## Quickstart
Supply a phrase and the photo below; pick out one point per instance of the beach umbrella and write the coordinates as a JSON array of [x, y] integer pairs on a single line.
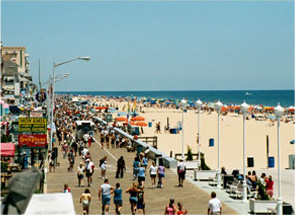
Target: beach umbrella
[[141, 124], [138, 118], [291, 109], [101, 107], [271, 117], [133, 123], [292, 141], [121, 113], [121, 119]]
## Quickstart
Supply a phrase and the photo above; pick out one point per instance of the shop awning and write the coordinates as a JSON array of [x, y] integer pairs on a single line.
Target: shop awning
[[7, 149]]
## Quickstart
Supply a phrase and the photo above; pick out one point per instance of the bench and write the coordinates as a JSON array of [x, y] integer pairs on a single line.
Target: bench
[[204, 175]]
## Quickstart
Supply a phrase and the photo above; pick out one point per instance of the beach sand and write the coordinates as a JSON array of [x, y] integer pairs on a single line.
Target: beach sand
[[231, 136]]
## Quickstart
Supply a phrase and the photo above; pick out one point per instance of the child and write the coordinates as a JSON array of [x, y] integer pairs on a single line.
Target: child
[[85, 199]]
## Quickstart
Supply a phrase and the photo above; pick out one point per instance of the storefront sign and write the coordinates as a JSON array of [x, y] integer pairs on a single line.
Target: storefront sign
[[32, 140], [32, 125], [37, 114]]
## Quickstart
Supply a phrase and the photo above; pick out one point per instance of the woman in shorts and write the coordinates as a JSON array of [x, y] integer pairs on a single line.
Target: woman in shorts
[[118, 198], [85, 199], [153, 174], [133, 197]]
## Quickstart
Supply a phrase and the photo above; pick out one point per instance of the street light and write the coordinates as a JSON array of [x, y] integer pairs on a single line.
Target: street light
[[199, 105], [244, 109], [279, 111], [183, 103], [53, 84], [218, 107]]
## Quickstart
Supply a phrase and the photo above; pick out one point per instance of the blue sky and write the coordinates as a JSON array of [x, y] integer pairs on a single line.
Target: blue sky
[[157, 45]]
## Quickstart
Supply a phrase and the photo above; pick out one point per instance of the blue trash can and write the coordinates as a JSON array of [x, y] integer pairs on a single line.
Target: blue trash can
[[271, 162], [211, 142], [150, 124], [173, 131]]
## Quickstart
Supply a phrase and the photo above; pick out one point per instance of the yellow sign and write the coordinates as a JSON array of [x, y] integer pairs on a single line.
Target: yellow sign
[[32, 125]]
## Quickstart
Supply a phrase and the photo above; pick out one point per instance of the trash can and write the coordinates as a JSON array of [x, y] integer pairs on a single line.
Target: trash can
[[173, 131], [150, 124], [211, 142], [271, 162]]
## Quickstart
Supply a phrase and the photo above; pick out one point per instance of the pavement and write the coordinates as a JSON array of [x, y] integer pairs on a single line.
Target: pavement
[[193, 196]]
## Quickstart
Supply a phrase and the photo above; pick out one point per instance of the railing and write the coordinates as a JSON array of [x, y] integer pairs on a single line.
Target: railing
[[153, 153], [147, 140]]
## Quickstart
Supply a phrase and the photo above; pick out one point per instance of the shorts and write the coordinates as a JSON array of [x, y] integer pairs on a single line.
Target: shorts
[[181, 175], [80, 176], [118, 202], [140, 206], [161, 175], [133, 199], [88, 174], [153, 176], [141, 179], [106, 200]]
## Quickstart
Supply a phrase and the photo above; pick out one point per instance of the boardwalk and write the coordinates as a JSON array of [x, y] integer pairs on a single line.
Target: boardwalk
[[193, 199]]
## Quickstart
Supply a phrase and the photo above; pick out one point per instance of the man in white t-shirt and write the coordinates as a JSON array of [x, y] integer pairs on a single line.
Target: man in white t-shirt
[[84, 151], [214, 206], [104, 195]]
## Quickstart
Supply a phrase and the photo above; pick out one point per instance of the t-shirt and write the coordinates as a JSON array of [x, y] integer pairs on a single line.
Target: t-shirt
[[181, 166], [103, 165], [161, 169], [140, 196], [106, 189], [84, 151], [118, 194], [141, 172], [135, 164], [214, 205], [145, 161], [153, 170]]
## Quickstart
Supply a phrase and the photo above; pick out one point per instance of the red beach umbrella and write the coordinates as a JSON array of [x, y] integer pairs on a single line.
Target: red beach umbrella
[[141, 124], [138, 118], [121, 119]]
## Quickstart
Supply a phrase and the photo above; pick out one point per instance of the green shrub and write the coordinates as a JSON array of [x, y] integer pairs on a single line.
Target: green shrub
[[262, 195], [189, 154], [203, 163]]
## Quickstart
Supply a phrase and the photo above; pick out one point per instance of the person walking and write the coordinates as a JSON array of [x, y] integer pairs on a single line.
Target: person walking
[[141, 200], [51, 157], [141, 175], [89, 168], [71, 159], [104, 195], [80, 174], [65, 149], [214, 205], [153, 174], [269, 185], [133, 197], [135, 167], [161, 174], [170, 209], [118, 200], [120, 167], [103, 166], [181, 169], [85, 199]]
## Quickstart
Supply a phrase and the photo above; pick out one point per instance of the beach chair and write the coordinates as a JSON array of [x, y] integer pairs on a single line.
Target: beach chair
[[213, 180], [232, 186]]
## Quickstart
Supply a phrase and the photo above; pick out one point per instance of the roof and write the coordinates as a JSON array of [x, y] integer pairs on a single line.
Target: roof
[[14, 47]]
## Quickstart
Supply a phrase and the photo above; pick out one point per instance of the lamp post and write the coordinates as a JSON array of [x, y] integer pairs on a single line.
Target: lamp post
[[279, 111], [199, 105], [244, 109], [53, 84], [218, 107], [183, 103]]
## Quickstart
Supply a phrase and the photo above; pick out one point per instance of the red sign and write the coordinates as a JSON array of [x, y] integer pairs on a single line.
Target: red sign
[[32, 140]]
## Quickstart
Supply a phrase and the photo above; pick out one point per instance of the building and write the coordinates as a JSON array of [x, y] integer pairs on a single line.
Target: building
[[16, 81]]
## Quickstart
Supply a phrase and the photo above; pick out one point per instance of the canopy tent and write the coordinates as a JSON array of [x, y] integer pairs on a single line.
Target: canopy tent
[[7, 149]]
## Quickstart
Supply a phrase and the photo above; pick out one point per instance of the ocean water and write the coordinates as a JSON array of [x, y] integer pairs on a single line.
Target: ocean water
[[255, 97]]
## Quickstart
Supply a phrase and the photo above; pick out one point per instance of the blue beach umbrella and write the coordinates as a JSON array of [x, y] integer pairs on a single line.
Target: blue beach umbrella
[[121, 113], [292, 141]]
